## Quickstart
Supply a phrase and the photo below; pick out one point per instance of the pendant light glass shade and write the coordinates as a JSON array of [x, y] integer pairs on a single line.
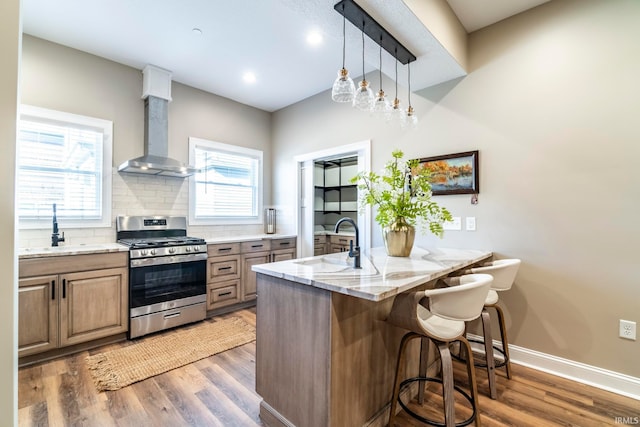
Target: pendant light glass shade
[[364, 97], [381, 104], [343, 87]]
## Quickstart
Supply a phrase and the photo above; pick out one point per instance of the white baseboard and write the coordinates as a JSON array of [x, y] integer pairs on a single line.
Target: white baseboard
[[597, 377]]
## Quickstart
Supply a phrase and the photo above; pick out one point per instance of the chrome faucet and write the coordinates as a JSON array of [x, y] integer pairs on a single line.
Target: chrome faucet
[[55, 236], [354, 252]]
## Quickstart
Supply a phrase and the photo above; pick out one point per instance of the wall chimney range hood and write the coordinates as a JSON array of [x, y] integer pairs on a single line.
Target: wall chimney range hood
[[156, 94]]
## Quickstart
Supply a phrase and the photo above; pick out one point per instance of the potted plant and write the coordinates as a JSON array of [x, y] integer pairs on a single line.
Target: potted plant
[[402, 195]]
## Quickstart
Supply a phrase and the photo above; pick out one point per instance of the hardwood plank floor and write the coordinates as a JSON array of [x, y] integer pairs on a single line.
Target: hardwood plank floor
[[220, 391]]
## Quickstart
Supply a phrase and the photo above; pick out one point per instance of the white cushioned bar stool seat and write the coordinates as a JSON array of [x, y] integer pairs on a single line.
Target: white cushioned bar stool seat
[[442, 320], [504, 273]]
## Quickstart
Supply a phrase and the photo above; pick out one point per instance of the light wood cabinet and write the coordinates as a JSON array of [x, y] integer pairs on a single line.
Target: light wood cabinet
[[248, 275], [70, 300], [230, 277], [283, 249], [94, 305], [223, 275], [319, 244], [339, 243], [38, 314]]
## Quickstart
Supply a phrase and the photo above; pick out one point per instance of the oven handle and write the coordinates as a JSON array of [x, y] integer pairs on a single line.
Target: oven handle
[[144, 262]]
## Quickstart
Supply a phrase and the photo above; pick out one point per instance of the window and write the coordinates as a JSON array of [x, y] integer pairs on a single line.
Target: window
[[64, 159], [228, 188]]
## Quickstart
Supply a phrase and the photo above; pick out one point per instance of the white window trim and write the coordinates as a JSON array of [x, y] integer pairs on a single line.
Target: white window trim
[[106, 126], [212, 145]]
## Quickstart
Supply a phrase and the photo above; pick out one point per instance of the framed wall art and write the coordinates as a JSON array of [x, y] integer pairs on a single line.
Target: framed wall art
[[453, 173]]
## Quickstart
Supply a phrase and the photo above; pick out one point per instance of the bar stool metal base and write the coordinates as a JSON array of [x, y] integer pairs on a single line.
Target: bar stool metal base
[[404, 384]]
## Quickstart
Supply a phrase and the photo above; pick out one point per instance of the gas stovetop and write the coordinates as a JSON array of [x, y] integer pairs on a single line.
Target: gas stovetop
[[160, 242], [157, 236]]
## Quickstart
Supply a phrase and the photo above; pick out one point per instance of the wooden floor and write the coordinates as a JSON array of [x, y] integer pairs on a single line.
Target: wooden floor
[[220, 391]]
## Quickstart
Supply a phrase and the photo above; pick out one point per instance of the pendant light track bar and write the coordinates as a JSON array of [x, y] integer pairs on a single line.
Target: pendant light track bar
[[376, 32]]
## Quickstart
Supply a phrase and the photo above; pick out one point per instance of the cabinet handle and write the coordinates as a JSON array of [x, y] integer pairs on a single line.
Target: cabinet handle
[[343, 240], [256, 246], [169, 316], [64, 288], [224, 249], [53, 289], [224, 294], [285, 243], [224, 268]]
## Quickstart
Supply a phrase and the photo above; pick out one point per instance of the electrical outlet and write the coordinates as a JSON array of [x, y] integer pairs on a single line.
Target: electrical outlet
[[627, 329], [471, 223], [454, 224]]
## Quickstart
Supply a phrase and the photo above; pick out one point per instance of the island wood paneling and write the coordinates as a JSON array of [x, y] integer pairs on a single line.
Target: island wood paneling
[[325, 359], [292, 365]]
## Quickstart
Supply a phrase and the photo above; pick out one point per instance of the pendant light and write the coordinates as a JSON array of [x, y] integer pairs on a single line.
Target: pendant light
[[381, 104], [397, 113], [364, 95], [411, 118], [343, 88]]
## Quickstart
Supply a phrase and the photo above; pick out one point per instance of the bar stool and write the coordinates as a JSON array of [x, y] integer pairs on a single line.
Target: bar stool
[[504, 273], [443, 322]]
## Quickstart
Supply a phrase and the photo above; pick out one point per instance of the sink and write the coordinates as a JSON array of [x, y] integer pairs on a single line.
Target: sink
[[337, 265]]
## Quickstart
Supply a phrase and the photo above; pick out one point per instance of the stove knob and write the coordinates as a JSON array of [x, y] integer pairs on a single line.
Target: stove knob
[[196, 248], [143, 252], [153, 251], [172, 250], [188, 249]]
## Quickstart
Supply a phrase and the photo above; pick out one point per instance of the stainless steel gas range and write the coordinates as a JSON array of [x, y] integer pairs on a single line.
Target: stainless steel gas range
[[167, 273]]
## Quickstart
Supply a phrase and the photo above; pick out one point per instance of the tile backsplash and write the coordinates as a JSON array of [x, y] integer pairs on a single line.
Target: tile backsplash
[[141, 195]]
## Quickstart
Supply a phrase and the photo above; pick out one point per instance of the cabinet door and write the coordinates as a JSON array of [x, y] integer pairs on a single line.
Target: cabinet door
[[283, 255], [37, 314], [249, 276], [93, 304]]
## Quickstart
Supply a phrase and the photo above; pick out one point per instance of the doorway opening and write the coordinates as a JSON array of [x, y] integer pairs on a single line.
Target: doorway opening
[[326, 194]]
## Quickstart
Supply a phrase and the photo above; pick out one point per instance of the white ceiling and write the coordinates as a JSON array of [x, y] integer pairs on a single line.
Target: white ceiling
[[266, 37]]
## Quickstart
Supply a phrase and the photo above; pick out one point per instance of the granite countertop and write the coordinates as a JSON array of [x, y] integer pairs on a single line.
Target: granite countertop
[[247, 238], [64, 250], [53, 251], [380, 277]]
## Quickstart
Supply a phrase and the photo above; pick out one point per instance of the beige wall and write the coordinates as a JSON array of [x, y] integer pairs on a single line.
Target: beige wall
[[66, 79], [10, 36], [438, 17], [551, 102]]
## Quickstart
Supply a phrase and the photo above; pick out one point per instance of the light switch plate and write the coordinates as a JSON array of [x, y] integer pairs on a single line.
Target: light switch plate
[[471, 223], [454, 224]]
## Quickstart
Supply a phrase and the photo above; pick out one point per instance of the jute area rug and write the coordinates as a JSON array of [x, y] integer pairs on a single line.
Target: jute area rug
[[157, 354]]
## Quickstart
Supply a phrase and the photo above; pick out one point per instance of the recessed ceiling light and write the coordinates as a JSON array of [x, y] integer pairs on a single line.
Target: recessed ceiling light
[[197, 31], [314, 38], [249, 77]]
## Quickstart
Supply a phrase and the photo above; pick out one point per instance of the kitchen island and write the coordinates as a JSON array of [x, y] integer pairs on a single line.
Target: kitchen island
[[324, 354]]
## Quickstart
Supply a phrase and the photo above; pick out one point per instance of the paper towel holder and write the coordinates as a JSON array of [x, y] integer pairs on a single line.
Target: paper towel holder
[[269, 221]]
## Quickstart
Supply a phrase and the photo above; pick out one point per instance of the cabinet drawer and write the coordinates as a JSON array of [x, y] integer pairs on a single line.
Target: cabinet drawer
[[223, 249], [224, 268], [289, 243], [319, 239], [338, 248], [319, 249], [341, 240], [255, 246], [223, 296]]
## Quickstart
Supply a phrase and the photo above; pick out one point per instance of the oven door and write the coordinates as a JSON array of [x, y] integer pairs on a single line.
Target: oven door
[[158, 280]]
